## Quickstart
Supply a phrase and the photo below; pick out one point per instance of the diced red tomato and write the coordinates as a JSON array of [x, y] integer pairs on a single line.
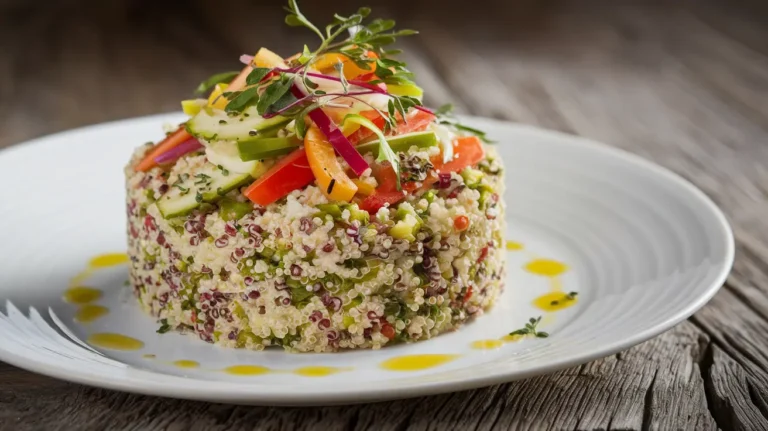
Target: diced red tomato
[[467, 151], [467, 295], [376, 201], [415, 121], [290, 173]]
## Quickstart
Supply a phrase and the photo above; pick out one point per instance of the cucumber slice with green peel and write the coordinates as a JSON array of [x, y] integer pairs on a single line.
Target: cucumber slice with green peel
[[402, 143], [208, 185], [264, 148], [214, 124]]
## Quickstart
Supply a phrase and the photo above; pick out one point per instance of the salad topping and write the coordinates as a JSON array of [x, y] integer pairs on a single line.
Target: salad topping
[[282, 124]]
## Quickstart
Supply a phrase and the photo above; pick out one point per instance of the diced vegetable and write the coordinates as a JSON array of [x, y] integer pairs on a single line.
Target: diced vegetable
[[363, 187], [175, 153], [414, 121], [193, 106], [467, 151], [402, 143], [290, 173], [328, 172], [376, 201], [171, 141], [264, 148], [230, 209], [472, 177], [406, 228]]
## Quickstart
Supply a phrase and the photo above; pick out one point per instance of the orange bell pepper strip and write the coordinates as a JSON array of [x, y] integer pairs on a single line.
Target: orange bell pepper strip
[[329, 174], [171, 141], [326, 63], [290, 173]]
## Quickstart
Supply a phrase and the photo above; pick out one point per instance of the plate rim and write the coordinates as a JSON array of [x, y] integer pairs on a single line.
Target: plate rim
[[238, 393]]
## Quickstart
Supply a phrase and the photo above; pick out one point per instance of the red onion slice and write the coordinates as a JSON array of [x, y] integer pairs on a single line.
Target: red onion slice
[[176, 152], [340, 142]]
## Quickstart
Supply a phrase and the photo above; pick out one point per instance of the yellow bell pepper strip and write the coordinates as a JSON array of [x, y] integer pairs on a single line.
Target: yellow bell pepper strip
[[216, 99], [263, 58], [329, 174]]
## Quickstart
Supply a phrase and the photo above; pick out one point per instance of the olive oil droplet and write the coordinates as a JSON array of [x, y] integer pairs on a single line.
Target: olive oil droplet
[[247, 370], [82, 295], [487, 344], [88, 313], [109, 259], [186, 363], [317, 371], [546, 267], [416, 362], [113, 341]]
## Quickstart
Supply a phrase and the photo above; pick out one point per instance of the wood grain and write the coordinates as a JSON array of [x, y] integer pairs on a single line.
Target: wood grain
[[684, 84]]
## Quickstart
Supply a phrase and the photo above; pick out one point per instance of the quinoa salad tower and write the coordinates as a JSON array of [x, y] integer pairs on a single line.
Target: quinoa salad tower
[[314, 203]]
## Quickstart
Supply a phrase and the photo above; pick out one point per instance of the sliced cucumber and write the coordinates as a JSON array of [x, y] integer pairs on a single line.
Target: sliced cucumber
[[264, 148], [208, 185], [402, 142], [215, 124]]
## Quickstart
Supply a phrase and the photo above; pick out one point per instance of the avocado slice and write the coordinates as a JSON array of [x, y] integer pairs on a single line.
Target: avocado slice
[[264, 148], [402, 143]]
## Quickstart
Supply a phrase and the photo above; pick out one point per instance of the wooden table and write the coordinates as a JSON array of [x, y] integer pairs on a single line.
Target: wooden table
[[682, 83]]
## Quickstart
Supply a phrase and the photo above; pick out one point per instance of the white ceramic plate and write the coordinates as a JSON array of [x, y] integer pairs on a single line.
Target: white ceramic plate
[[643, 248]]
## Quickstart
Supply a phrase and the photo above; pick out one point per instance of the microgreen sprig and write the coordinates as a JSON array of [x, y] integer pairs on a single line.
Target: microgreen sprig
[[530, 329], [445, 116]]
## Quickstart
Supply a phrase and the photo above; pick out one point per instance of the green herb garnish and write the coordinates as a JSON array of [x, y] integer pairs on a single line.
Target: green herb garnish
[[215, 79], [445, 117], [530, 329], [164, 327]]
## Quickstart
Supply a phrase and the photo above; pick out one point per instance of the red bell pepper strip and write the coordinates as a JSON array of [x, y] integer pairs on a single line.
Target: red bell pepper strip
[[290, 173]]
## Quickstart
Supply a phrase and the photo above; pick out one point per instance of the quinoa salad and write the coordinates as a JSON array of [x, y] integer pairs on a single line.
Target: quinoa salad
[[312, 202]]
